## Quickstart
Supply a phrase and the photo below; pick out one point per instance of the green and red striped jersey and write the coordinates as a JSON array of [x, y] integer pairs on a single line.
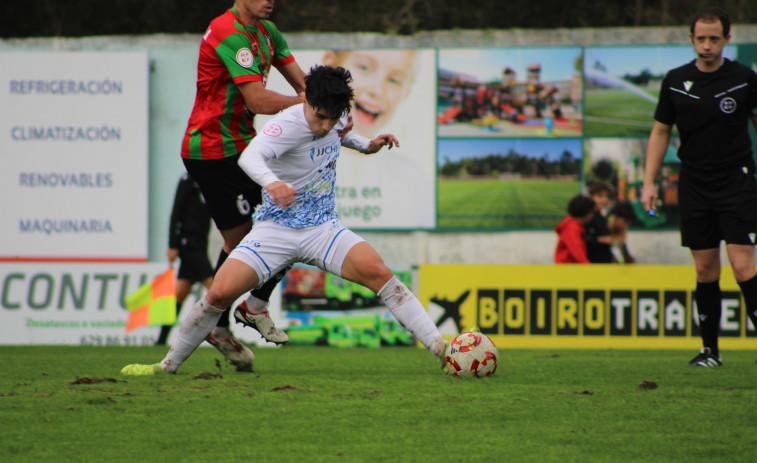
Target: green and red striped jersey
[[230, 54]]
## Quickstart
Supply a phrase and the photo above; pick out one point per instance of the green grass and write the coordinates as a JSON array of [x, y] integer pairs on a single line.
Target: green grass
[[476, 204], [376, 405], [617, 113]]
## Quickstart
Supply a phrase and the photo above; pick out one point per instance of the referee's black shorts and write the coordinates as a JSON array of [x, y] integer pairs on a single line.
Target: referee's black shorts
[[230, 194], [719, 205], [195, 265]]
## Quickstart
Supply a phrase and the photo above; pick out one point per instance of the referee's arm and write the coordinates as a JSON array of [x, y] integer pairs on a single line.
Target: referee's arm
[[659, 140]]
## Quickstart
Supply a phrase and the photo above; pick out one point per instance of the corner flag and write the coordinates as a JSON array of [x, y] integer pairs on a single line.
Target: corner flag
[[153, 303]]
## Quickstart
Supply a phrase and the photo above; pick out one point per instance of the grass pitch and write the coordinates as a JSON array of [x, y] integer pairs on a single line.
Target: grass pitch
[[617, 113], [493, 203], [69, 403]]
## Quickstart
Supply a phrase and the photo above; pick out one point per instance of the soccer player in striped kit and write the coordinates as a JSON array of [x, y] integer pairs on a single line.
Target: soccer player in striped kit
[[236, 55]]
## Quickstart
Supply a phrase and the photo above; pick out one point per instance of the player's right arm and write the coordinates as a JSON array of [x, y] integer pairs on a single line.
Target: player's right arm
[[253, 162], [659, 139], [260, 100], [293, 74]]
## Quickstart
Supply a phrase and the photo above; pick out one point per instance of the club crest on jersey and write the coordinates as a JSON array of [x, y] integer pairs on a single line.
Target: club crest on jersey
[[728, 105], [244, 57], [272, 130]]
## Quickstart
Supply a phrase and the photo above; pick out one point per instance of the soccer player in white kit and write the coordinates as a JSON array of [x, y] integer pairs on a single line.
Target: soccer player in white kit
[[294, 160]]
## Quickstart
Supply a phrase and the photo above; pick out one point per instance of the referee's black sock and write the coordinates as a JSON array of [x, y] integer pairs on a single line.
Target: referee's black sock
[[709, 307], [749, 291], [223, 322], [264, 292]]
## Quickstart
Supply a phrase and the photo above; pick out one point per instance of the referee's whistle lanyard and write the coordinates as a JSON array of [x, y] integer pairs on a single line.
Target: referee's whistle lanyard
[[255, 43]]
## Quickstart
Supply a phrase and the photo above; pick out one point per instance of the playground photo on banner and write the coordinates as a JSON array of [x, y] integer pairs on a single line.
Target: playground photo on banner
[[510, 92], [620, 162], [622, 85], [506, 183]]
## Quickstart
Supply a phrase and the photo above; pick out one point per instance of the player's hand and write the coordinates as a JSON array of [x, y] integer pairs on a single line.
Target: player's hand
[[282, 193], [381, 141], [649, 196], [172, 254], [347, 127]]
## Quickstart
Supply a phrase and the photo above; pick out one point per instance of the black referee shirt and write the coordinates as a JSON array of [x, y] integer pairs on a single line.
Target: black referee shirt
[[711, 111]]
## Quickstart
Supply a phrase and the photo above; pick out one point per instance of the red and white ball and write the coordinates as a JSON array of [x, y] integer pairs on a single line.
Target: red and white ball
[[471, 354]]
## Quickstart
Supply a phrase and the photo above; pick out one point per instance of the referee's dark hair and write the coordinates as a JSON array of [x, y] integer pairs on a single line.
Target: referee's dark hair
[[712, 14]]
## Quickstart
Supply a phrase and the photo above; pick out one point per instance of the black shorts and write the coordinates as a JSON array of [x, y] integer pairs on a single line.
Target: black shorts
[[230, 194], [195, 265], [718, 206]]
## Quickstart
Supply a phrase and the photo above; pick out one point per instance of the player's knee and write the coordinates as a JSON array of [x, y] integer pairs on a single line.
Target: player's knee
[[743, 272], [707, 271], [219, 297], [376, 274]]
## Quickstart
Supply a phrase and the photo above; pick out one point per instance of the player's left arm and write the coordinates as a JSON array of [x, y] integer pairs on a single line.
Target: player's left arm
[[380, 141]]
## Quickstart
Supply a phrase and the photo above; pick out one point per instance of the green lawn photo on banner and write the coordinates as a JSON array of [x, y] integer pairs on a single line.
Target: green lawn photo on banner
[[621, 85], [506, 183]]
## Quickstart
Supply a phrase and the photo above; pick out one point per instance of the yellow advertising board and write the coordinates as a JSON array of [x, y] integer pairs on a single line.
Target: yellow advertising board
[[579, 306]]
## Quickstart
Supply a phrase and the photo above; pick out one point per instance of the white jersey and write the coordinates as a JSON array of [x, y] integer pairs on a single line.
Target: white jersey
[[296, 156]]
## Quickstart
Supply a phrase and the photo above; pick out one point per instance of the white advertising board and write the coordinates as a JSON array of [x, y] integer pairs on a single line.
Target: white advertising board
[[83, 304], [73, 156], [395, 92]]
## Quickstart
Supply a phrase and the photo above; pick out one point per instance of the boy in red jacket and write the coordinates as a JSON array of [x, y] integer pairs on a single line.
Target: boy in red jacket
[[571, 246]]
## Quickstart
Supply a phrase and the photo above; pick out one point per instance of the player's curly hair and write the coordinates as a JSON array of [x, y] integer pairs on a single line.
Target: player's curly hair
[[328, 89]]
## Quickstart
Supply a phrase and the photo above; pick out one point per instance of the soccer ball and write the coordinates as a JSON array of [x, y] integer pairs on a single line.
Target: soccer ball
[[471, 354]]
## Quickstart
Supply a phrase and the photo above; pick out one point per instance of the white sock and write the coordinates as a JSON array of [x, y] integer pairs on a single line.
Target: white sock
[[255, 305], [409, 311], [200, 322]]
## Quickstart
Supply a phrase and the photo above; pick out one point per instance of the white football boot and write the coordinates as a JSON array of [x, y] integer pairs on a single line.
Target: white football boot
[[257, 317], [234, 350]]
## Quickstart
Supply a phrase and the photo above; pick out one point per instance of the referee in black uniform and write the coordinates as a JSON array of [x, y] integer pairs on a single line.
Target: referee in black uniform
[[188, 240], [711, 100]]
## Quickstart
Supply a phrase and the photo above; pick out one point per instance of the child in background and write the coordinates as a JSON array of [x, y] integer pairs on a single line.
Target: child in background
[[598, 240], [571, 247], [621, 218]]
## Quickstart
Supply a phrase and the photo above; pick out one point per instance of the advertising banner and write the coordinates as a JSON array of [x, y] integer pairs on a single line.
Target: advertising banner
[[394, 93], [577, 306], [73, 168], [85, 304]]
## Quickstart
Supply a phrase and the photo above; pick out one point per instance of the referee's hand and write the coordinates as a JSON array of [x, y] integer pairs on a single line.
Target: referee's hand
[[649, 196]]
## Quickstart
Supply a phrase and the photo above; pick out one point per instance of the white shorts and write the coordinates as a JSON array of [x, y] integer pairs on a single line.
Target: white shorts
[[269, 247]]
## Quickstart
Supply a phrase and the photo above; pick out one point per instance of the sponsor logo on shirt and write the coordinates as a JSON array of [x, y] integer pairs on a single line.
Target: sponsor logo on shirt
[[272, 130], [244, 57], [728, 105], [687, 85]]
